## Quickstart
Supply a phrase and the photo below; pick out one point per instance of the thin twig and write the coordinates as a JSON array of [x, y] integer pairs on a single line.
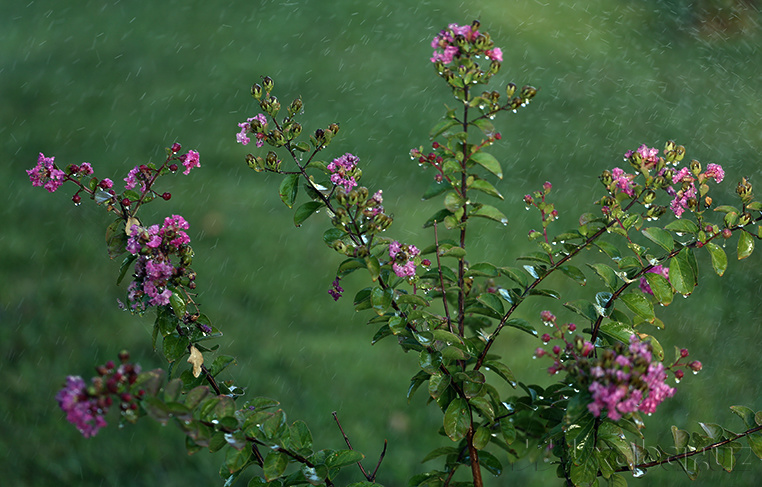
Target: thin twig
[[349, 445], [441, 279]]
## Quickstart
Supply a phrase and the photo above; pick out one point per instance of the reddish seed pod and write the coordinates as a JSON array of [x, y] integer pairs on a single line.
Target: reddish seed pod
[[173, 167], [684, 352], [166, 196], [679, 374], [176, 147], [76, 199]]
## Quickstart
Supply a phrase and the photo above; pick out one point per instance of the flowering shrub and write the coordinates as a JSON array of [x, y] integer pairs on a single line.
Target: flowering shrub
[[437, 301]]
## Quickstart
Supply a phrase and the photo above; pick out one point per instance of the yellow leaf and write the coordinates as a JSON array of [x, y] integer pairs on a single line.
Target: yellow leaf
[[130, 222], [197, 360]]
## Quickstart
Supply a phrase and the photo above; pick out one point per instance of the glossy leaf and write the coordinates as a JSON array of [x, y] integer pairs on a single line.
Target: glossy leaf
[[487, 211], [116, 239], [457, 419], [681, 274], [488, 162], [583, 308], [574, 273], [617, 331], [485, 187], [639, 305], [288, 189], [660, 287], [441, 126], [522, 325], [682, 226], [342, 458], [482, 269], [491, 301], [435, 189], [607, 275], [660, 237], [305, 211], [745, 245], [490, 463], [275, 464], [502, 370], [719, 258]]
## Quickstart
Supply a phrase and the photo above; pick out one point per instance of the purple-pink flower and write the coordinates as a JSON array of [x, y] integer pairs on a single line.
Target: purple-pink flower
[[649, 155], [190, 160], [343, 171], [46, 174], [254, 124], [715, 172], [403, 256], [81, 410], [623, 180]]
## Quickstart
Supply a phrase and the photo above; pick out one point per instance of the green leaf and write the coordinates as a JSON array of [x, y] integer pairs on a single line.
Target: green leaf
[[437, 217], [755, 443], [609, 249], [660, 237], [275, 464], [719, 259], [746, 414], [435, 189], [441, 126], [607, 275], [174, 347], [502, 370], [488, 162], [682, 226], [614, 330], [342, 458], [453, 201], [660, 287], [574, 273], [583, 308], [639, 305], [457, 419], [485, 126], [125, 267], [745, 245], [681, 274], [484, 269], [485, 187], [490, 463], [522, 325], [116, 239], [305, 211], [487, 211], [491, 301], [484, 406], [288, 189], [178, 304], [195, 396]]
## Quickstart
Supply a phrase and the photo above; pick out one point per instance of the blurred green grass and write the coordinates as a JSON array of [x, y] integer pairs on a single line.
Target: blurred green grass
[[113, 84]]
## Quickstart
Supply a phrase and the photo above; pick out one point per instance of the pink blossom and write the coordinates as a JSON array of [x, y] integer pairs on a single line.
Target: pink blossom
[[402, 256], [46, 174], [132, 180], [190, 160], [81, 410], [342, 171], [495, 54], [650, 156], [715, 171], [258, 129], [683, 175], [623, 180]]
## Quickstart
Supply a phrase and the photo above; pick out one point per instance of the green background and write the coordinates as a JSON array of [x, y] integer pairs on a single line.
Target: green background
[[113, 83]]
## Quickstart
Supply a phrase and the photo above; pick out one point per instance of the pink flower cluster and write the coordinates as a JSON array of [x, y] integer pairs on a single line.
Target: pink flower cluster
[[46, 174], [343, 171], [657, 269], [628, 381], [446, 41], [85, 407], [650, 156], [336, 290], [688, 190], [256, 125], [402, 256], [154, 246]]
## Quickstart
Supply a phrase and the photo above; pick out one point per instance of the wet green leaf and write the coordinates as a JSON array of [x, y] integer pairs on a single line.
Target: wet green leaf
[[116, 239], [490, 212], [274, 466], [745, 245], [682, 226], [583, 308], [660, 287], [607, 275], [305, 211], [441, 126], [490, 463], [491, 301], [435, 189], [639, 305], [126, 263], [614, 330], [482, 269], [342, 458], [660, 237], [485, 187], [288, 189], [719, 259], [488, 162], [437, 217], [457, 419], [502, 370], [574, 273], [746, 414], [522, 325], [178, 304], [681, 274]]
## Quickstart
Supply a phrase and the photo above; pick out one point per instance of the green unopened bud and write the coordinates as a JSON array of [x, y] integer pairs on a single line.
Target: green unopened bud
[[341, 196], [475, 25], [339, 246], [334, 128], [744, 189], [276, 138], [461, 41], [528, 92], [670, 146], [296, 129], [271, 160], [606, 178], [383, 221], [655, 212], [679, 153], [255, 163], [362, 195], [744, 219], [462, 71], [660, 182], [480, 42], [256, 91], [439, 66], [695, 167], [268, 84], [510, 89], [295, 106], [494, 67], [668, 175], [353, 197], [362, 252], [649, 197], [692, 203]]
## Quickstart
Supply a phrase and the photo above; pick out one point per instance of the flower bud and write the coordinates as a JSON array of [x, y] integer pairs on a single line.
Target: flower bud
[[695, 366], [510, 89], [268, 84], [695, 167], [606, 178], [648, 197], [295, 106], [727, 233], [528, 92], [256, 91]]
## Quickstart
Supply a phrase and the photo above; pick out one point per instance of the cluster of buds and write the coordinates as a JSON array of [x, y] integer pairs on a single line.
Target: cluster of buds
[[46, 174], [86, 405], [358, 213], [456, 51]]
